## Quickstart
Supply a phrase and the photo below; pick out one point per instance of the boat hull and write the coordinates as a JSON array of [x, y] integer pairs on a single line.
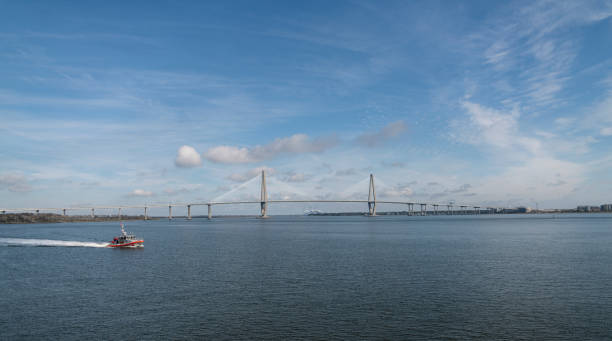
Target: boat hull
[[133, 244]]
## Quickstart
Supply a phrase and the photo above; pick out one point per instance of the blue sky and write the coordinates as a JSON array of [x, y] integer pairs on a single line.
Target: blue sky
[[485, 103]]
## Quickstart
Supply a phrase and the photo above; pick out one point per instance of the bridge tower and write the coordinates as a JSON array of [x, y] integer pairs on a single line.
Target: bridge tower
[[264, 195], [372, 197]]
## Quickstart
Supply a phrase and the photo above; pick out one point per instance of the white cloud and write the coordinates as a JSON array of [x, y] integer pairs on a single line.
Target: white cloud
[[391, 130], [577, 145], [607, 131], [229, 154], [535, 172], [490, 127], [537, 178], [603, 110], [141, 193], [295, 144], [187, 157], [14, 183]]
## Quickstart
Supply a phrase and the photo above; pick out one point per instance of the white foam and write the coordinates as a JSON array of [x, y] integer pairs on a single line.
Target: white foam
[[49, 242]]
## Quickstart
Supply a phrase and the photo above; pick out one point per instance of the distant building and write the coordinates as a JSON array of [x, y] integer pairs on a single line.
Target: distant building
[[606, 208], [594, 209], [583, 209]]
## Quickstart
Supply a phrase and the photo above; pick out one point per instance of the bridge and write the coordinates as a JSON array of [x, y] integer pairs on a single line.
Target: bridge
[[422, 207]]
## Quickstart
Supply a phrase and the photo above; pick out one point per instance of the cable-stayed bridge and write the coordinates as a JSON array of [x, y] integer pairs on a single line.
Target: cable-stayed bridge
[[421, 207]]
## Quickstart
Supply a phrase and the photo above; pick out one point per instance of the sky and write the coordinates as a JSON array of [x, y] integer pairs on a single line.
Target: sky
[[142, 102]]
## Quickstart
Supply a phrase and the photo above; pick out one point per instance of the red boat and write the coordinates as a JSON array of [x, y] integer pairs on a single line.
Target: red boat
[[126, 240]]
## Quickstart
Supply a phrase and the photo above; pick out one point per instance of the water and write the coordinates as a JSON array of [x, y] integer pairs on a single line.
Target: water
[[504, 277]]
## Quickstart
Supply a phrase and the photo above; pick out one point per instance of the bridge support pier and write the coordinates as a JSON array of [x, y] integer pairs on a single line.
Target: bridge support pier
[[435, 208], [209, 211], [372, 198], [188, 212], [264, 196], [119, 213], [169, 212], [92, 213], [64, 212], [145, 213], [423, 209]]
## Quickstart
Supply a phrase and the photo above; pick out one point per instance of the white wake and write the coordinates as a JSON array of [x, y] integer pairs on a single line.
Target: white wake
[[48, 242]]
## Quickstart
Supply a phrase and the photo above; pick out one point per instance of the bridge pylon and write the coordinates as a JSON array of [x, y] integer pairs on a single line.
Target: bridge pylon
[[372, 197], [264, 195]]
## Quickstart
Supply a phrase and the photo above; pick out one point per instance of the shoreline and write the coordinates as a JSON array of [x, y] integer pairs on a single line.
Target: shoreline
[[50, 218]]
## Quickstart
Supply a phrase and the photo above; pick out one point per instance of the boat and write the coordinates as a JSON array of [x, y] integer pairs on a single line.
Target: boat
[[312, 212], [126, 240]]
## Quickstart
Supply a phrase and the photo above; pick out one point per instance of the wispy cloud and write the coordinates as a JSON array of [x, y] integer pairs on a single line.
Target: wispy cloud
[[14, 183], [295, 144], [378, 138], [293, 176], [250, 174], [527, 39], [181, 190]]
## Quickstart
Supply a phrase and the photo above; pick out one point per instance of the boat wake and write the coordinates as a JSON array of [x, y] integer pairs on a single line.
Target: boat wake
[[48, 242]]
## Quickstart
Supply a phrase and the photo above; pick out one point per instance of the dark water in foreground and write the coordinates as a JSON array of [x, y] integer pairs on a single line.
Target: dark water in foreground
[[510, 277]]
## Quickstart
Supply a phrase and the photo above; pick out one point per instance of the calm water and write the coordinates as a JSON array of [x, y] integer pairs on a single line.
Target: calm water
[[510, 277]]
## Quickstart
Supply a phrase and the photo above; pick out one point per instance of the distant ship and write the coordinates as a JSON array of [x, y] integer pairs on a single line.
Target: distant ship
[[313, 212], [126, 240]]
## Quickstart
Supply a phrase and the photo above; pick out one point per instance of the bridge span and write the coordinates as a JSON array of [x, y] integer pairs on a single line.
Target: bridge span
[[422, 207]]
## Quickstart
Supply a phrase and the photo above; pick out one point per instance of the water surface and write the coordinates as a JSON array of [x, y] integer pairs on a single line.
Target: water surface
[[470, 277]]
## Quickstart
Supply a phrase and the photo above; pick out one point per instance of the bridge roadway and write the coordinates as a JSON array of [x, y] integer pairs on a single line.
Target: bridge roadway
[[464, 209]]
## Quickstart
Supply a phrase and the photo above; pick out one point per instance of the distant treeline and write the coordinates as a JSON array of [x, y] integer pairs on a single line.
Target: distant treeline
[[29, 218]]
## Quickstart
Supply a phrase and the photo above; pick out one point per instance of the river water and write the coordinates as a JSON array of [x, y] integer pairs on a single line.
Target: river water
[[458, 277]]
